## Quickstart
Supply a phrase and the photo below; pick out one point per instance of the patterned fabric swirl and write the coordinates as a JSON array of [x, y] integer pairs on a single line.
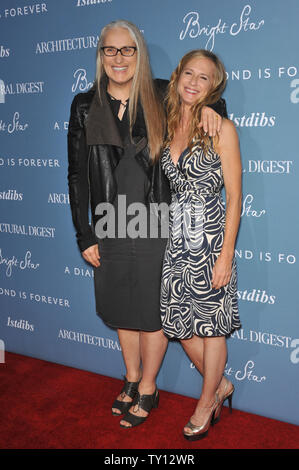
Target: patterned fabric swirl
[[189, 304]]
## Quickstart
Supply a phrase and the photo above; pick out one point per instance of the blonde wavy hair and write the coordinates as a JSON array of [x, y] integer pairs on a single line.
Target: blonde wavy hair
[[143, 88], [173, 102]]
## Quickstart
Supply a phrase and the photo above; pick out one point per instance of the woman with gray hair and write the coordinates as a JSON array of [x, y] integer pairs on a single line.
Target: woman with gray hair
[[115, 135]]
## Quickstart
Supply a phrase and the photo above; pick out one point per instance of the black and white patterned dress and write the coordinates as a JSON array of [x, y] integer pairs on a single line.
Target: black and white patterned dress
[[189, 304]]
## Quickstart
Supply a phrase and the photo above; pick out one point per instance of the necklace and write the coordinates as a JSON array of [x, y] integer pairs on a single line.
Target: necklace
[[124, 104]]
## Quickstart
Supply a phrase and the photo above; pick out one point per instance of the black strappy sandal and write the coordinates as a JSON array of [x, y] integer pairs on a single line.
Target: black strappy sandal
[[146, 403], [130, 389]]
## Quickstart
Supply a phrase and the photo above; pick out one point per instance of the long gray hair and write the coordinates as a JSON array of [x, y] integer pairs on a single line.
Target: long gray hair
[[143, 87]]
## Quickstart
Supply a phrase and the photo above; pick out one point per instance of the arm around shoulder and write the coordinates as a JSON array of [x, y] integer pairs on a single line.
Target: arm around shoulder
[[220, 107]]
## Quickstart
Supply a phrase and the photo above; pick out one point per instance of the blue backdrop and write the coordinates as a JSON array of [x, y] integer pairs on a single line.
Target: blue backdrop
[[47, 55]]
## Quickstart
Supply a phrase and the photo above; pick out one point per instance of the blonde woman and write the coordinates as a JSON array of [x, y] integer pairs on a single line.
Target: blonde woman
[[116, 130], [198, 294]]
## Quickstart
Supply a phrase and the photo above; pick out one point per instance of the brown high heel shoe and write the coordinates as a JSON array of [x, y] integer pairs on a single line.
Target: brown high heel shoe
[[199, 432], [227, 395]]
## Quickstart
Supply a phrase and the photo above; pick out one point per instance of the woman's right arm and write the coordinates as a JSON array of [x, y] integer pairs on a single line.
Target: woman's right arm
[[78, 181]]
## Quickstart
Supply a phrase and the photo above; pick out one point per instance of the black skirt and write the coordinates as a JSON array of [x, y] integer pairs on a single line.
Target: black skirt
[[127, 283]]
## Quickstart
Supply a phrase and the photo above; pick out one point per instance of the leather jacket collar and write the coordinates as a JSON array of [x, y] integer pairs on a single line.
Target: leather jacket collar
[[101, 131]]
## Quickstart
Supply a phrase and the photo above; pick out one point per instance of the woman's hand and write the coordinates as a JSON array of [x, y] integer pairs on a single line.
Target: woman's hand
[[210, 121], [92, 255], [221, 272]]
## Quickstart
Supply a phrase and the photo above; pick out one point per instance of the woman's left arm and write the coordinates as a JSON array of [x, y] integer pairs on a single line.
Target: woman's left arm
[[228, 149]]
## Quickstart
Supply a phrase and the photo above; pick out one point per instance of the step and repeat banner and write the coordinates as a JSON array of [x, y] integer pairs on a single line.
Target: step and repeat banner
[[47, 307]]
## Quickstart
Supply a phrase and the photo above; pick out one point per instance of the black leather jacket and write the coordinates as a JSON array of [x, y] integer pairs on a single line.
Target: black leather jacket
[[94, 151]]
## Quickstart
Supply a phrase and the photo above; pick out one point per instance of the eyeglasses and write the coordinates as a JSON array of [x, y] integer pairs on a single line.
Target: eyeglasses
[[126, 51]]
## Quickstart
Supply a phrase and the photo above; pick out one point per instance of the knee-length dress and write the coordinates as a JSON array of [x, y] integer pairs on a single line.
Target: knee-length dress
[[127, 282], [189, 304]]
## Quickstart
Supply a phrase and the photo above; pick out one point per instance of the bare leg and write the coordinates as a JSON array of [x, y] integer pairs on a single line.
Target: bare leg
[[153, 348], [214, 359], [194, 348], [130, 345], [215, 354]]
